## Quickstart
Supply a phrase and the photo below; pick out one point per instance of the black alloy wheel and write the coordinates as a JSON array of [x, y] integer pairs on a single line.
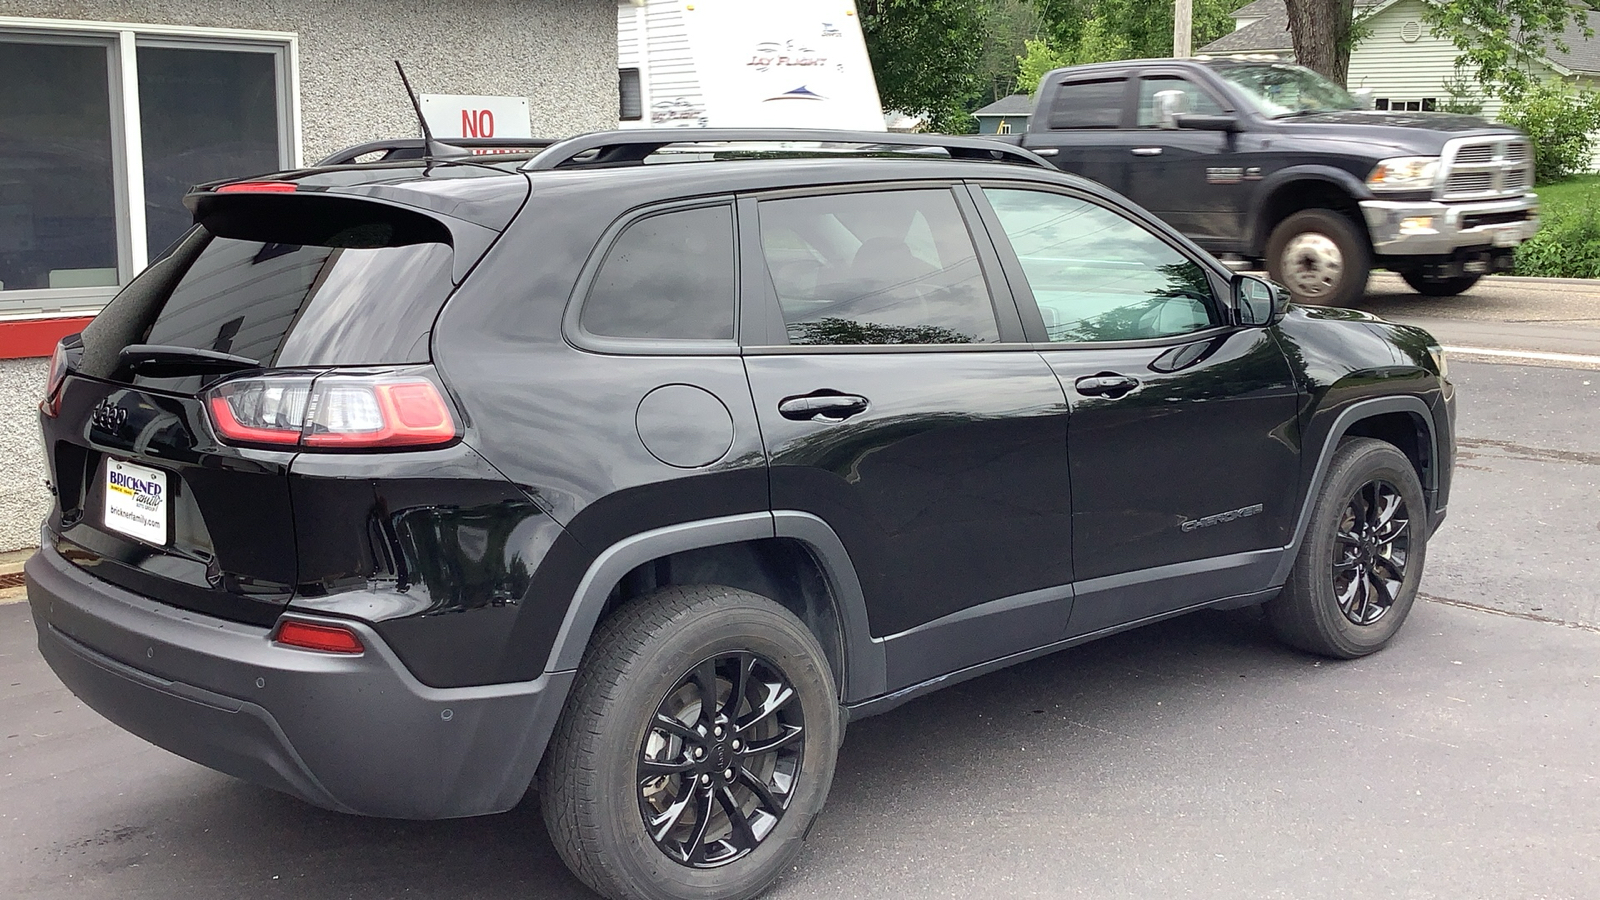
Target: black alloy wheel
[[1370, 565], [1360, 562], [718, 765]]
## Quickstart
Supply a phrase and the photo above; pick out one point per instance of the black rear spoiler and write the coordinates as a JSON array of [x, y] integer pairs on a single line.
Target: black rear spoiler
[[412, 148]]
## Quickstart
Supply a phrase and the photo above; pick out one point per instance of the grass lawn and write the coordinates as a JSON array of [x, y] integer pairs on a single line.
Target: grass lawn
[[1568, 242]]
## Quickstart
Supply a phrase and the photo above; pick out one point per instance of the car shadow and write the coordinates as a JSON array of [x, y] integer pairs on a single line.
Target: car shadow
[[225, 838]]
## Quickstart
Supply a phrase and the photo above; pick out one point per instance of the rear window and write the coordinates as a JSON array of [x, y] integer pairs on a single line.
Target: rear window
[[303, 282]]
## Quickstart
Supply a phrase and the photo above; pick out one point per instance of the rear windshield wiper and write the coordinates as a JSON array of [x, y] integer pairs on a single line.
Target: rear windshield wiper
[[170, 361]]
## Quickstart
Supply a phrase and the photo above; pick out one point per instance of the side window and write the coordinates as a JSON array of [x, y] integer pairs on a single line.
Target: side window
[[1088, 104], [1098, 276], [667, 277], [880, 267], [1200, 103]]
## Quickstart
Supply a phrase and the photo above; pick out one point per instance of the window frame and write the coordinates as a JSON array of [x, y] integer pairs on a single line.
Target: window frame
[[1130, 97], [1022, 291], [572, 318], [762, 324], [122, 41]]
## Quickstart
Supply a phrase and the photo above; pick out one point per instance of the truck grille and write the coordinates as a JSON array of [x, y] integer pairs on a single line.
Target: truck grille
[[1485, 168]]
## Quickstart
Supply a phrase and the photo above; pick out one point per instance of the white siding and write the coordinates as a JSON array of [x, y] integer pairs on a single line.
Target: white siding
[[1397, 69]]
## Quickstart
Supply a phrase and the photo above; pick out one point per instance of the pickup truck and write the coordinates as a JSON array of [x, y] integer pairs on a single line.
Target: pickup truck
[[1269, 164]]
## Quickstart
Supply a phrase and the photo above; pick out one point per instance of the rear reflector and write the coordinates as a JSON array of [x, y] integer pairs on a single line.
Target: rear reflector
[[326, 638], [258, 187], [333, 411]]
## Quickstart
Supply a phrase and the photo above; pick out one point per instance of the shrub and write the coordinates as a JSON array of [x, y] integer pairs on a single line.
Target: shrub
[[1567, 244], [1560, 122]]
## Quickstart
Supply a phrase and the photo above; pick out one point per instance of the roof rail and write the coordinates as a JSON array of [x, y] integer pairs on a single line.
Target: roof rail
[[412, 148], [614, 148]]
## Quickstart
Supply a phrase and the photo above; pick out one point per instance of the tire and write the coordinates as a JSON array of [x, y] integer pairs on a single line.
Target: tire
[[650, 657], [1321, 257], [1320, 608], [1439, 287]]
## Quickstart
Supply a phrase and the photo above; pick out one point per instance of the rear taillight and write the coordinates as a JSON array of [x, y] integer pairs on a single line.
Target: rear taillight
[[325, 638], [335, 412], [53, 382], [258, 187]]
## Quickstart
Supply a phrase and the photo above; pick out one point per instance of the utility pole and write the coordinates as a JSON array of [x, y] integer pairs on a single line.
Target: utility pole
[[1182, 22]]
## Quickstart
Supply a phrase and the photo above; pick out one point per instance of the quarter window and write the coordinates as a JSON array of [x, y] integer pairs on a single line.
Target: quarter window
[[1098, 276], [667, 277], [881, 267]]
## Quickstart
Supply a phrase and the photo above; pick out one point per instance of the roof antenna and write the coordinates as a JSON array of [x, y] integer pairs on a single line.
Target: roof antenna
[[430, 147]]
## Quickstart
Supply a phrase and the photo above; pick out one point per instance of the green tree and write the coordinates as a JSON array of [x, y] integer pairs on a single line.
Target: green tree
[[1503, 42], [1008, 25], [925, 57], [1086, 31], [1561, 122], [1321, 31]]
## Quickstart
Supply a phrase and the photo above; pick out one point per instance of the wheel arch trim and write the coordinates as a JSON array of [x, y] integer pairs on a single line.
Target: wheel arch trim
[[1348, 417], [1259, 228], [863, 663]]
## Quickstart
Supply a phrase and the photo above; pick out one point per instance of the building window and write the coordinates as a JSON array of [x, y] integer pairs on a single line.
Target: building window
[[630, 94], [1003, 128], [1426, 104], [103, 129]]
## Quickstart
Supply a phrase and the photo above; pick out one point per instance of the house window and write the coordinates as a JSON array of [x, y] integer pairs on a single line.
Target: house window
[[1426, 104], [106, 128], [1003, 128], [630, 94]]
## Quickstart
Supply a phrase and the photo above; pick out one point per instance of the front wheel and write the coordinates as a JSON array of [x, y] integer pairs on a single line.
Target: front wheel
[[1439, 287], [1360, 560], [696, 748], [1321, 257]]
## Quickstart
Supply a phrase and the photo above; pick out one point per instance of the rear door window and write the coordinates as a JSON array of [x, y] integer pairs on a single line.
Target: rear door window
[[1089, 104], [667, 277], [876, 267]]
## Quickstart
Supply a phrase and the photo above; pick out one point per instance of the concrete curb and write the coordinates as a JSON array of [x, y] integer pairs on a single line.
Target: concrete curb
[[1515, 279], [11, 565]]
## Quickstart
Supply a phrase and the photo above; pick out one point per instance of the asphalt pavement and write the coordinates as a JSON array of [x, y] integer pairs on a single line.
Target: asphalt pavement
[[1194, 758]]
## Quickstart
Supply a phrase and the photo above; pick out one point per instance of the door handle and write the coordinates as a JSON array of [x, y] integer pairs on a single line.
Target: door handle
[[822, 406], [1106, 384], [1147, 151]]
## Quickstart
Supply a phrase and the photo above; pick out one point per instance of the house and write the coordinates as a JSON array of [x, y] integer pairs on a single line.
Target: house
[[1401, 62], [1008, 115], [109, 115]]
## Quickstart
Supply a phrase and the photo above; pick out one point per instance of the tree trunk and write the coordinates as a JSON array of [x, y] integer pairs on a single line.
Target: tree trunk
[[1320, 30]]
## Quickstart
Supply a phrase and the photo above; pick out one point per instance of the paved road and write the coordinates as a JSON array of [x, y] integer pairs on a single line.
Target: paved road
[[1195, 758], [1500, 313]]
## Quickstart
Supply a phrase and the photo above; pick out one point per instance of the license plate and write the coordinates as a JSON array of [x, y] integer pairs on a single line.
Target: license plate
[[1507, 237], [136, 501]]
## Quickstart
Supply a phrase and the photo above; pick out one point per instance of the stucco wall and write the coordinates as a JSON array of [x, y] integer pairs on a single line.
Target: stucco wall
[[23, 501], [560, 54]]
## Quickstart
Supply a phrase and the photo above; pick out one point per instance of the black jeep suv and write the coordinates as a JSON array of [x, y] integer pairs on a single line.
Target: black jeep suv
[[402, 487]]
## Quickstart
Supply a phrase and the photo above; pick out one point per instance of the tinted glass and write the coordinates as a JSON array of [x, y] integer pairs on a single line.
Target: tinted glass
[[891, 267], [1088, 104], [1200, 103], [255, 284], [667, 277], [1280, 91], [58, 224], [1098, 276], [206, 115]]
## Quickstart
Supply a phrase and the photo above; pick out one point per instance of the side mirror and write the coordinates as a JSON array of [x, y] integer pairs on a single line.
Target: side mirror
[[1208, 123], [1169, 106], [1364, 98], [1258, 301]]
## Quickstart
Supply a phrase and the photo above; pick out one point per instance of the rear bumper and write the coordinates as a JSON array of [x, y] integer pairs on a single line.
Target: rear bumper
[[352, 733]]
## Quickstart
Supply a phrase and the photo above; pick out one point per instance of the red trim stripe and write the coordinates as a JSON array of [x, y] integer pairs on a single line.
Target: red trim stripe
[[32, 338]]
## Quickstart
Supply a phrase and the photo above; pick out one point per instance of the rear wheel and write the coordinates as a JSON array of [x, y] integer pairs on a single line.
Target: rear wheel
[[1321, 257], [1361, 559], [696, 748], [1439, 287]]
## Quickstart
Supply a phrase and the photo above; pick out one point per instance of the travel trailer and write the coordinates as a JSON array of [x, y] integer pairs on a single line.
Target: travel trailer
[[745, 64]]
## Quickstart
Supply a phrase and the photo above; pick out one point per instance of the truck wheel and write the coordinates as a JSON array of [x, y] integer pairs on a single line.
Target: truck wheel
[[695, 750], [1439, 287], [1361, 558], [1321, 257]]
